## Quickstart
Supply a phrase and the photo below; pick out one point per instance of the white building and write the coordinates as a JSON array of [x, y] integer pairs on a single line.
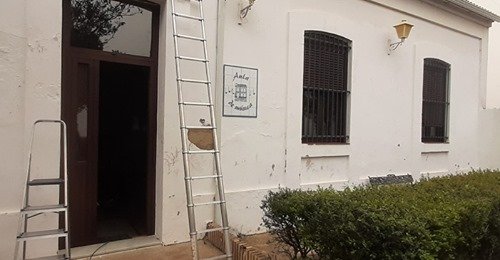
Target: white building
[[311, 126]]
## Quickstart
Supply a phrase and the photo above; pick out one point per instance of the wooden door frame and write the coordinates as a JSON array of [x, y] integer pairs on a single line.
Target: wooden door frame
[[69, 53]]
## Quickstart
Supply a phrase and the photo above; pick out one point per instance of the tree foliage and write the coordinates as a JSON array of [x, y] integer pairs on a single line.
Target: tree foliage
[[95, 22]]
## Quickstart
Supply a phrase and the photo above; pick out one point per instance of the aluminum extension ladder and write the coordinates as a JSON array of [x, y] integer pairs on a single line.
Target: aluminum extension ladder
[[217, 176], [28, 211]]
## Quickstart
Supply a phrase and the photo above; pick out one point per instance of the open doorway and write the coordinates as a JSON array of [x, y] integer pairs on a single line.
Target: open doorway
[[109, 99], [122, 162]]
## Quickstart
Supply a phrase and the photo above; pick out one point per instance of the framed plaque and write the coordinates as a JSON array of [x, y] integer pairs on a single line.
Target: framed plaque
[[240, 91]]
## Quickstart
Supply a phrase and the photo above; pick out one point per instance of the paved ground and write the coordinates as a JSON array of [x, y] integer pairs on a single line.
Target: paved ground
[[174, 252], [266, 243]]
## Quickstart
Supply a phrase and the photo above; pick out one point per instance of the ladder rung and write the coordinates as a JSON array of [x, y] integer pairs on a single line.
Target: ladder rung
[[42, 234], [207, 203], [54, 257], [42, 209], [218, 257], [194, 81], [201, 104], [38, 182], [191, 59], [188, 16], [200, 152], [189, 37], [209, 230], [203, 177], [200, 127]]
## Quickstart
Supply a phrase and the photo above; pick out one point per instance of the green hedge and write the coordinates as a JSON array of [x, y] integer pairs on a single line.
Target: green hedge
[[453, 217]]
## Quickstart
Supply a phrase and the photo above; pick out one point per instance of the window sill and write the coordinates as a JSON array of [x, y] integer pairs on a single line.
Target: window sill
[[430, 148], [325, 150]]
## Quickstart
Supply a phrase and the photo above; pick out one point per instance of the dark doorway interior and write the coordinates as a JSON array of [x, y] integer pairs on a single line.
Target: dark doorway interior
[[123, 145], [109, 100]]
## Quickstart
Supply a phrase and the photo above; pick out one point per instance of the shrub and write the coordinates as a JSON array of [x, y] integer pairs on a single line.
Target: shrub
[[283, 216], [452, 217]]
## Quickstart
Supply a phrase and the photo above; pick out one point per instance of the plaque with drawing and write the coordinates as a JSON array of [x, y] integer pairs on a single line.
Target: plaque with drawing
[[240, 91]]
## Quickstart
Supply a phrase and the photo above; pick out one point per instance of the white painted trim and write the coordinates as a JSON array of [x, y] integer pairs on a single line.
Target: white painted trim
[[337, 184], [322, 151], [434, 148]]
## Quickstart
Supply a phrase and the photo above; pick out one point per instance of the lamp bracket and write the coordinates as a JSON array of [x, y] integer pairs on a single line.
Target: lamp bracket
[[246, 8], [394, 46]]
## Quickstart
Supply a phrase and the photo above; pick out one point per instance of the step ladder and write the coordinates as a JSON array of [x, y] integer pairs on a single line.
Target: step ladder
[[28, 211], [211, 126]]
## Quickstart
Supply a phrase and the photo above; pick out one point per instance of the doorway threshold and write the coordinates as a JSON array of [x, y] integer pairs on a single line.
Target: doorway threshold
[[85, 252]]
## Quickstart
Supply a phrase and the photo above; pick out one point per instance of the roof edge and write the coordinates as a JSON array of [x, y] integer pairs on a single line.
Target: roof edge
[[472, 7]]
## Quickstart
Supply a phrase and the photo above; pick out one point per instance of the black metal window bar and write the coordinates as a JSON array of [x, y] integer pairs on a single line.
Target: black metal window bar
[[325, 88], [435, 101]]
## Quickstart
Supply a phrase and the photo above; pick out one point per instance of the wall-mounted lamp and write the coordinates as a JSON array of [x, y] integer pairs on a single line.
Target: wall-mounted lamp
[[245, 7], [403, 30]]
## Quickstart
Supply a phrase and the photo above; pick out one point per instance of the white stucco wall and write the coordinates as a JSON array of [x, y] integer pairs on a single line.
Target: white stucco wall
[[30, 75], [494, 67], [493, 93], [490, 117], [173, 200], [489, 146], [265, 153], [12, 100]]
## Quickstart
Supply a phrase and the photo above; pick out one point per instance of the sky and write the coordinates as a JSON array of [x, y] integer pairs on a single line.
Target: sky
[[491, 5], [493, 90]]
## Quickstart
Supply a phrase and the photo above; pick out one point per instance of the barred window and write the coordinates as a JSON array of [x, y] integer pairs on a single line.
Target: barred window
[[435, 102], [325, 88]]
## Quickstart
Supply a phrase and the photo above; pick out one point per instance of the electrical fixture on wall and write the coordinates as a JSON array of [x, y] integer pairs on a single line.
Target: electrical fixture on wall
[[244, 7], [403, 30]]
